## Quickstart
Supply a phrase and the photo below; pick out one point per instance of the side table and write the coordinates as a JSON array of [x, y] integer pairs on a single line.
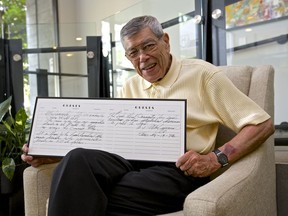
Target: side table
[[281, 160]]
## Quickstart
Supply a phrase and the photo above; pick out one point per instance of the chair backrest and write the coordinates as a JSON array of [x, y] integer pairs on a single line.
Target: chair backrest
[[257, 83], [249, 183]]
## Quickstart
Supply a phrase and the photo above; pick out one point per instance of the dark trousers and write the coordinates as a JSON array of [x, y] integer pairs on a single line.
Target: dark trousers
[[96, 183]]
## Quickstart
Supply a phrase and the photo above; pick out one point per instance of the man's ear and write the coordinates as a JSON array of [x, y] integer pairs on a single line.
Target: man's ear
[[166, 39]]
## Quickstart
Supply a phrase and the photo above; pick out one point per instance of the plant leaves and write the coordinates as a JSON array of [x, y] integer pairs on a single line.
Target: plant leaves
[[9, 129], [12, 137], [21, 119], [8, 168], [4, 107]]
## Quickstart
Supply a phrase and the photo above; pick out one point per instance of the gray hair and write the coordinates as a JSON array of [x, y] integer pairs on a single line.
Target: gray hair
[[138, 23]]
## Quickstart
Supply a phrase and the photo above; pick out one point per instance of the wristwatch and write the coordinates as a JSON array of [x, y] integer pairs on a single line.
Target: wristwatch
[[222, 158]]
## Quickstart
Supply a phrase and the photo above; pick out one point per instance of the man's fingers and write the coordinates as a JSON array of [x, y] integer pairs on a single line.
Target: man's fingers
[[26, 158], [25, 149], [182, 160]]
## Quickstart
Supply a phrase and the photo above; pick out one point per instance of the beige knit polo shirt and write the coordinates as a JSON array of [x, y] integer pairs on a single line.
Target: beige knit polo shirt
[[211, 99]]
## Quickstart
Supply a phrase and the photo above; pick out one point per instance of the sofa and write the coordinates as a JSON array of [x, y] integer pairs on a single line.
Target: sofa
[[246, 188]]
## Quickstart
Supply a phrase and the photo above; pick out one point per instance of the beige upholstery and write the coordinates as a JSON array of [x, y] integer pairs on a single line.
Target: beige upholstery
[[247, 188]]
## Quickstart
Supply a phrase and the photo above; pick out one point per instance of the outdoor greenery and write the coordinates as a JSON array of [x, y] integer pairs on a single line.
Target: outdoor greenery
[[13, 26], [13, 134], [13, 20]]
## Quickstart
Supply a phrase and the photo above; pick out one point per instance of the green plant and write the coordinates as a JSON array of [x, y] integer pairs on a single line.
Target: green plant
[[13, 131]]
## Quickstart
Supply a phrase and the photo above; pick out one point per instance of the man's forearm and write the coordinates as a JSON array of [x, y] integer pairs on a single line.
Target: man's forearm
[[247, 140]]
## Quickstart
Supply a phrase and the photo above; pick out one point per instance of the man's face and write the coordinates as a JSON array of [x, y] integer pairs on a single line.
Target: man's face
[[149, 55]]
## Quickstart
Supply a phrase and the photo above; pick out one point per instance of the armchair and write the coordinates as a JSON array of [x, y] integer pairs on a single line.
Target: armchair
[[248, 187]]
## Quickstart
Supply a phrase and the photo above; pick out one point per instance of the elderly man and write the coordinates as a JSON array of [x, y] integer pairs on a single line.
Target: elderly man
[[92, 182]]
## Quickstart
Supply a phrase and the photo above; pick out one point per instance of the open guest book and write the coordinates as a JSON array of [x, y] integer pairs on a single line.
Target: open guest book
[[136, 129]]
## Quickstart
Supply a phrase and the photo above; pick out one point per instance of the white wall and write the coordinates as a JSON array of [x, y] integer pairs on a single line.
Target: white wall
[[90, 11]]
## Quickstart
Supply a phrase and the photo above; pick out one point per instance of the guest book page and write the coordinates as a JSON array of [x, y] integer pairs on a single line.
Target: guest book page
[[136, 129]]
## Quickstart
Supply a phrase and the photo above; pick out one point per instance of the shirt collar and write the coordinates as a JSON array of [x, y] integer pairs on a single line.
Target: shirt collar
[[169, 79]]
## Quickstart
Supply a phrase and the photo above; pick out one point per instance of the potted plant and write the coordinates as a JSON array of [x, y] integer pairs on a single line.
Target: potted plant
[[13, 131]]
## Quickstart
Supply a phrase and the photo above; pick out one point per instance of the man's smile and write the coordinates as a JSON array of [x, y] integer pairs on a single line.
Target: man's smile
[[149, 67]]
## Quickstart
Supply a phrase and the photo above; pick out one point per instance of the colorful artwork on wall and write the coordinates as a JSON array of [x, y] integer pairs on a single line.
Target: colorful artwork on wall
[[247, 12]]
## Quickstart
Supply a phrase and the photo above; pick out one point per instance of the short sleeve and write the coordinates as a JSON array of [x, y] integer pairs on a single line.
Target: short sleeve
[[229, 105]]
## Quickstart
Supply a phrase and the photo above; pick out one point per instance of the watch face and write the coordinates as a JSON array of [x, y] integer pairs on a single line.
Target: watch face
[[223, 160]]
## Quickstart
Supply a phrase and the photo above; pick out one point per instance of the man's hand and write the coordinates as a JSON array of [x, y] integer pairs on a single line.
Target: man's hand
[[36, 161], [194, 164], [247, 140]]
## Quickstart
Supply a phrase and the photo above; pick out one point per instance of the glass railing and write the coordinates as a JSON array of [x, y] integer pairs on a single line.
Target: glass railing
[[59, 53], [49, 34], [255, 39]]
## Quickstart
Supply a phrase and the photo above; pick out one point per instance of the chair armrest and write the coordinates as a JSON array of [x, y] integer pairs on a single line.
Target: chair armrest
[[37, 188], [245, 188]]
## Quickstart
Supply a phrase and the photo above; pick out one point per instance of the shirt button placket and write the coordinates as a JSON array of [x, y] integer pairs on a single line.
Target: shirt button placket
[[154, 92]]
